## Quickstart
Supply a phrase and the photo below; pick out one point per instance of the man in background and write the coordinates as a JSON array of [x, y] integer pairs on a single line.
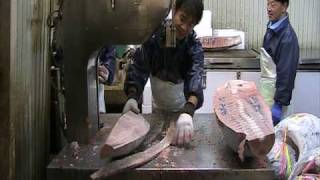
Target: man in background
[[281, 47]]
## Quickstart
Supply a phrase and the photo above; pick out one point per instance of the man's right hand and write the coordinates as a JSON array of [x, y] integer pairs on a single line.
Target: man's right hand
[[103, 74], [131, 105]]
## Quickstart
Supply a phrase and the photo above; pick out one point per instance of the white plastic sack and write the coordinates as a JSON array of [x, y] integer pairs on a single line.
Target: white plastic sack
[[308, 164], [303, 130], [300, 130], [282, 158]]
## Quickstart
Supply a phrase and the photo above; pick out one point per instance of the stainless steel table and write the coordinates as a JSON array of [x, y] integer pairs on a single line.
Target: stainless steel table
[[207, 157]]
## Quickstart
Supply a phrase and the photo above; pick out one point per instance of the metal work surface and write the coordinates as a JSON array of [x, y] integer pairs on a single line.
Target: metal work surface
[[207, 157], [231, 54], [244, 60], [232, 59]]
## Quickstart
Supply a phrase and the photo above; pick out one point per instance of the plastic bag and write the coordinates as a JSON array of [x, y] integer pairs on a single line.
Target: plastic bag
[[303, 130], [300, 130], [307, 166], [282, 156]]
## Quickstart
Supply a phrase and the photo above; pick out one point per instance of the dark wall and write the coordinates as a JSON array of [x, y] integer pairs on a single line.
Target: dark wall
[[24, 89], [5, 131]]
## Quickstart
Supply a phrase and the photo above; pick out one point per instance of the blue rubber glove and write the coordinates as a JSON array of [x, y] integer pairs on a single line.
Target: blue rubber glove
[[276, 111]]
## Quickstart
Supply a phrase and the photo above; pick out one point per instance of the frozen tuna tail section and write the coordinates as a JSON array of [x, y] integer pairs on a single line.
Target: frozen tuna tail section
[[296, 152], [244, 117]]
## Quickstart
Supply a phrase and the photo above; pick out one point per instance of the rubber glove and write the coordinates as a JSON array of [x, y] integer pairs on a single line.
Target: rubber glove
[[184, 129], [276, 111], [131, 105]]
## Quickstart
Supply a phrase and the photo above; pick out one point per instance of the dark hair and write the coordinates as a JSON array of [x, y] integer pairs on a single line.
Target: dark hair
[[284, 2], [191, 7]]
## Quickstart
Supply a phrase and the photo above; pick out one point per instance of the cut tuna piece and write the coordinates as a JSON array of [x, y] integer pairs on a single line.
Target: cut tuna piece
[[137, 159], [125, 136]]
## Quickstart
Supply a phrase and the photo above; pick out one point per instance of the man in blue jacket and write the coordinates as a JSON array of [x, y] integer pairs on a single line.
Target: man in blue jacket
[[281, 43], [175, 73], [106, 71]]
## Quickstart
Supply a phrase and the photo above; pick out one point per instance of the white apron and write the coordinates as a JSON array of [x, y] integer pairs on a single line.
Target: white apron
[[167, 96], [102, 105], [268, 77]]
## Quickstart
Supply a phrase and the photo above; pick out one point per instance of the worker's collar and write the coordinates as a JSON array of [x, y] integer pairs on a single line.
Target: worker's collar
[[277, 25], [181, 41]]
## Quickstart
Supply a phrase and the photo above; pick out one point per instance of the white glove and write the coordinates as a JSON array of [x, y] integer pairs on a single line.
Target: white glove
[[184, 129], [131, 105]]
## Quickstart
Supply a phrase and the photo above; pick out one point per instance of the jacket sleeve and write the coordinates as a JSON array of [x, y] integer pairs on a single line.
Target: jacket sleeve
[[286, 70], [138, 73], [193, 82], [108, 59]]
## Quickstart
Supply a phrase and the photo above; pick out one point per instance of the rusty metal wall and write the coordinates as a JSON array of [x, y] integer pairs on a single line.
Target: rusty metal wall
[[6, 131], [29, 87], [251, 16]]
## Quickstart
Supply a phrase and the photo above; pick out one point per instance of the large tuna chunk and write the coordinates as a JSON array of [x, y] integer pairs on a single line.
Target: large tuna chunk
[[219, 43], [244, 118]]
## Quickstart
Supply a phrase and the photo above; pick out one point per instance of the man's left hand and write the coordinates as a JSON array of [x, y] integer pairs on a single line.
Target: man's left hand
[[103, 74], [184, 129], [276, 111]]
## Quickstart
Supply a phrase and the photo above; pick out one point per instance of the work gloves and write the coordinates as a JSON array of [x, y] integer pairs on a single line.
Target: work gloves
[[103, 74], [131, 105], [184, 125], [184, 129], [276, 111]]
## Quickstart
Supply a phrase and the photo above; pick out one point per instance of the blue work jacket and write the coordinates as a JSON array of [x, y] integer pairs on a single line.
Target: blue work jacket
[[108, 59], [281, 43], [184, 63]]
